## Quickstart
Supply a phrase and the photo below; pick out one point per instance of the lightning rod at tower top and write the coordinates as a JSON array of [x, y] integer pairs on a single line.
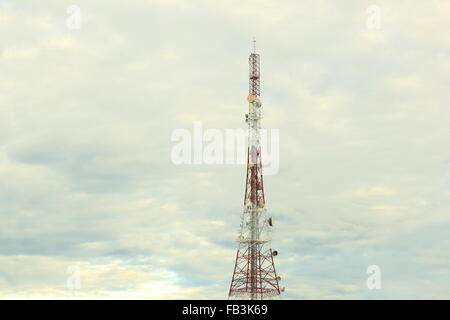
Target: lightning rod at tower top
[[254, 276]]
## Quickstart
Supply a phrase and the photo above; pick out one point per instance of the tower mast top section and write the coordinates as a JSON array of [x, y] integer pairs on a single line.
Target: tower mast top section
[[254, 74]]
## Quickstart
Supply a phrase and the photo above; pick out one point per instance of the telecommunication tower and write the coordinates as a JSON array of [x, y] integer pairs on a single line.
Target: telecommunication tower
[[254, 275]]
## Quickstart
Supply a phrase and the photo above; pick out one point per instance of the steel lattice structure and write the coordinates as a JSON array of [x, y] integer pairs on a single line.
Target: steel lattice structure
[[254, 275]]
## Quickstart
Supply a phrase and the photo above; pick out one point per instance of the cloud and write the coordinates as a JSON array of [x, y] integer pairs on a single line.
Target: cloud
[[85, 172], [374, 191]]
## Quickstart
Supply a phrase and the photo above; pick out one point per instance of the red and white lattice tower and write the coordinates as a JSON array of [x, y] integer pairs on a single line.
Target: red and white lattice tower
[[254, 275]]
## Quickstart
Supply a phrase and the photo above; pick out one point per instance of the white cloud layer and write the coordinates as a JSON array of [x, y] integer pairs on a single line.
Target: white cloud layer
[[85, 171]]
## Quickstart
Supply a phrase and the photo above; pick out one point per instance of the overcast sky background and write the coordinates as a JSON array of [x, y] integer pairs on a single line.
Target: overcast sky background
[[86, 177]]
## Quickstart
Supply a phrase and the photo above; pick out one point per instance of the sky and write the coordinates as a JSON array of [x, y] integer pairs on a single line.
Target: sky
[[87, 180]]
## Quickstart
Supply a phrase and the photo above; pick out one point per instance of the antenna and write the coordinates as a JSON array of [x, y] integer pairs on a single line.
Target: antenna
[[254, 275]]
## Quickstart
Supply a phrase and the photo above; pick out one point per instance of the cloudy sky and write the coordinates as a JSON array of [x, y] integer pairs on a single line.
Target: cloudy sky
[[86, 177]]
